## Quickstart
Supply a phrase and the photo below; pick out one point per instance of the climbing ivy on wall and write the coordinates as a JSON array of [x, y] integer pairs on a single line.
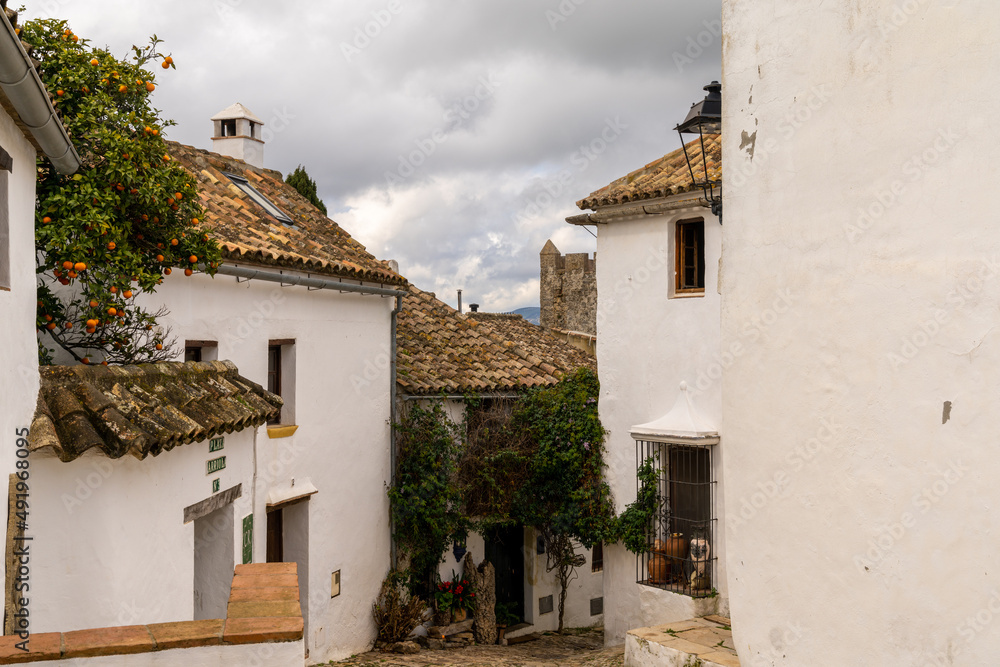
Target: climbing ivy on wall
[[537, 461]]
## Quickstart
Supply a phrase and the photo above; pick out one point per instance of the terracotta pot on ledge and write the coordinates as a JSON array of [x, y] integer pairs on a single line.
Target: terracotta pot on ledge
[[457, 615]]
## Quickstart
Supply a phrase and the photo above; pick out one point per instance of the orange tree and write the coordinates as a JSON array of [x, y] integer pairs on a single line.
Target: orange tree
[[128, 217]]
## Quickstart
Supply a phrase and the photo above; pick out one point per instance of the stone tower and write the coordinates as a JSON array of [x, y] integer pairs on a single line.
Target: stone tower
[[568, 292], [238, 134]]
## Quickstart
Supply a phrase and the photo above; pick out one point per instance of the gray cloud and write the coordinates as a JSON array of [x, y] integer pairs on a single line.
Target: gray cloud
[[500, 166]]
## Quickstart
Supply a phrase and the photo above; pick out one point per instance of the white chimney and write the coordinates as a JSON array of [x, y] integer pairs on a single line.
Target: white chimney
[[238, 135]]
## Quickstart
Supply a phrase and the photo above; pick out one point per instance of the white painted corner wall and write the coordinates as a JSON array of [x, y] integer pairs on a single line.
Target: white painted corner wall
[[650, 343], [18, 350], [132, 557], [861, 430]]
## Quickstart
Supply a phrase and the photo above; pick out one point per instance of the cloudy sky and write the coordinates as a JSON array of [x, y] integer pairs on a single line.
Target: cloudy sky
[[453, 136]]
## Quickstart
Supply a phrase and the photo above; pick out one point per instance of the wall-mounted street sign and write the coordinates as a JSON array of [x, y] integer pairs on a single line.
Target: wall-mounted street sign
[[215, 465], [215, 485], [216, 444], [247, 538]]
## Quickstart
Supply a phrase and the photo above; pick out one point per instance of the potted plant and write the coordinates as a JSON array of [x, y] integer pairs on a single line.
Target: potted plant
[[443, 600], [456, 597], [505, 617]]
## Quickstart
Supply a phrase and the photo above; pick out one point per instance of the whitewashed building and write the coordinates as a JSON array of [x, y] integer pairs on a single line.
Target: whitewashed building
[[496, 357], [661, 359], [861, 426], [304, 312], [29, 127]]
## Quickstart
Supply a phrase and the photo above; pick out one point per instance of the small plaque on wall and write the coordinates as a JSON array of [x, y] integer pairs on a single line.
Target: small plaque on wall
[[335, 584], [215, 485], [216, 444], [215, 465]]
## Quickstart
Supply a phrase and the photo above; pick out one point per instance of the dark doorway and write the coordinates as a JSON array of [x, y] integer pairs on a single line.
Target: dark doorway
[[505, 549], [275, 539]]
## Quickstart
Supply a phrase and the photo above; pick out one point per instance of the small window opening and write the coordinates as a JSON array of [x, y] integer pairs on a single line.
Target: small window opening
[[253, 130], [597, 557], [274, 373], [690, 255], [281, 377], [229, 128], [201, 350]]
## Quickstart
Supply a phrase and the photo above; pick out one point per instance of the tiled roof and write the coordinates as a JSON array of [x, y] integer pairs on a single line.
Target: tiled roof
[[661, 178], [142, 410], [440, 350], [247, 233]]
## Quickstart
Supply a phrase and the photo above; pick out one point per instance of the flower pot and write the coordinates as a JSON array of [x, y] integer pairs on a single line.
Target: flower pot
[[501, 631], [658, 569], [457, 615]]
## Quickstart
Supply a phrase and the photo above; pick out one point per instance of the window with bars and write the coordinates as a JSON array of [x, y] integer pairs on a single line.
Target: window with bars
[[690, 257], [597, 557], [681, 540]]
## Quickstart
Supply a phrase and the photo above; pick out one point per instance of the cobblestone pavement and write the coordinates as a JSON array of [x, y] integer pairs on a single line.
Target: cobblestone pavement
[[578, 648]]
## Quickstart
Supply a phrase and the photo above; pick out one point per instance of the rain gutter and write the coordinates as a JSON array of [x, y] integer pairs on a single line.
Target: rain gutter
[[30, 99]]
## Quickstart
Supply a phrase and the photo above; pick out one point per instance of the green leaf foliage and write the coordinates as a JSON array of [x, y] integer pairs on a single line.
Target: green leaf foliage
[[566, 493], [128, 217], [425, 500], [635, 524], [306, 186]]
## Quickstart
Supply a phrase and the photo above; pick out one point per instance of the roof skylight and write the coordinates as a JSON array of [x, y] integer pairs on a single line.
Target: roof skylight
[[263, 201]]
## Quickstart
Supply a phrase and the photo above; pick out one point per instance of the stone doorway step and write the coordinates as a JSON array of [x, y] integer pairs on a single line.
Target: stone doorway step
[[708, 640]]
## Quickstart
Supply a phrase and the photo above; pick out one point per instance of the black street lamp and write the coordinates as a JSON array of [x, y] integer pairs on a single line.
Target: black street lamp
[[705, 118]]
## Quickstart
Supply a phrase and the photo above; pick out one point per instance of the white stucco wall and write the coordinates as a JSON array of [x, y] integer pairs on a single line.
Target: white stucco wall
[[649, 344], [341, 406], [110, 544], [18, 351], [868, 536]]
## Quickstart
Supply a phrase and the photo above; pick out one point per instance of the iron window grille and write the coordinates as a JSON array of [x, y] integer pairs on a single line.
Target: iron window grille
[[260, 199], [681, 543]]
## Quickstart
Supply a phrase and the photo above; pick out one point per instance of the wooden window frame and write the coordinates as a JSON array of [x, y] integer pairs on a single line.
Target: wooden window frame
[[680, 265]]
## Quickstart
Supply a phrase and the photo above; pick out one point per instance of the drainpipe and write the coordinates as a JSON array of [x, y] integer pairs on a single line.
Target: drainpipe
[[30, 99], [326, 283], [392, 425]]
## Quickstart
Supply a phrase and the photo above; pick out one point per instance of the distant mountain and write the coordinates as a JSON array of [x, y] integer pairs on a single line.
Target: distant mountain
[[533, 314]]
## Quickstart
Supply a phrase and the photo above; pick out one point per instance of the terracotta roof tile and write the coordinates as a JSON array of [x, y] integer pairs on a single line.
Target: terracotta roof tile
[[247, 233], [661, 178], [440, 350], [142, 410]]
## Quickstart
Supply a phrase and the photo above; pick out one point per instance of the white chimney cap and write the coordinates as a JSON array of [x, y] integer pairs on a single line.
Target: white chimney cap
[[237, 111]]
